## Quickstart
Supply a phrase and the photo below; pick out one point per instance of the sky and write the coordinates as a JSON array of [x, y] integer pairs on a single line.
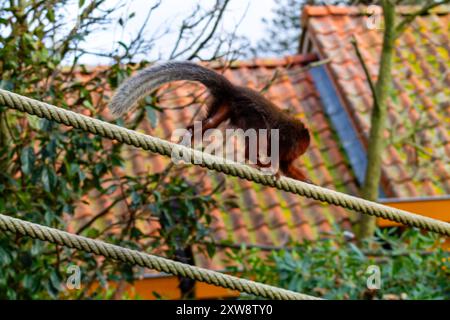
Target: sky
[[170, 14]]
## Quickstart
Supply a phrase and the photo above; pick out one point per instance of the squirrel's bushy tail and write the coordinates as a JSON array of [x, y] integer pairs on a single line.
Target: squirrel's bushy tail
[[144, 82]]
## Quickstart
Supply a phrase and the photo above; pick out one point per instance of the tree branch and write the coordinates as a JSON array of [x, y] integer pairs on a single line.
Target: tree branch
[[275, 77], [354, 43], [213, 30], [410, 18], [99, 215], [64, 47]]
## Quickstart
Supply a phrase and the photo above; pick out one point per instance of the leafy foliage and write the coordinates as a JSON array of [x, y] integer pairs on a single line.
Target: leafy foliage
[[47, 170], [413, 266], [184, 214]]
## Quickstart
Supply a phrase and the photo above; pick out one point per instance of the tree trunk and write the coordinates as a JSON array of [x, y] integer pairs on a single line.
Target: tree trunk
[[376, 145]]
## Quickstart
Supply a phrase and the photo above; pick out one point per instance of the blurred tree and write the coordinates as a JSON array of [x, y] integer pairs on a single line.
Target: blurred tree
[[381, 92], [47, 170], [284, 28]]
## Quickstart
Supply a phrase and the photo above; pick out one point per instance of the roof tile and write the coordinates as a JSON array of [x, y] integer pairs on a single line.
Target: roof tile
[[421, 80]]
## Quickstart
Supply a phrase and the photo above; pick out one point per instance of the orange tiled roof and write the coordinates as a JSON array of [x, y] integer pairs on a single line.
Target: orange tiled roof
[[265, 215], [422, 90]]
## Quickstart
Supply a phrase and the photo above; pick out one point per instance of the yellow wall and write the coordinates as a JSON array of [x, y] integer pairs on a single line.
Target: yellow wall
[[437, 209], [167, 288]]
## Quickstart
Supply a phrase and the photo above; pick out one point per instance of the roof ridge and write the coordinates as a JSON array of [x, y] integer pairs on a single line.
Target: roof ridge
[[325, 10], [294, 59]]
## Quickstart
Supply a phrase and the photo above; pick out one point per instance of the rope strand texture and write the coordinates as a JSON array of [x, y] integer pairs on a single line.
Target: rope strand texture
[[166, 148], [146, 260]]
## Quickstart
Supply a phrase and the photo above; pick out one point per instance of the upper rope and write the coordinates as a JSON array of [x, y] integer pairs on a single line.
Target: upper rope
[[166, 148]]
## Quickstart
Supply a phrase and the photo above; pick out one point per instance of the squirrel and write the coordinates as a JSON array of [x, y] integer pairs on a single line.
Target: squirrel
[[243, 107]]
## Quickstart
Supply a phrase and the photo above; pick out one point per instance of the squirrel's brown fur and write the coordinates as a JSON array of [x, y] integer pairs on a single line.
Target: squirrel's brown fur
[[243, 107]]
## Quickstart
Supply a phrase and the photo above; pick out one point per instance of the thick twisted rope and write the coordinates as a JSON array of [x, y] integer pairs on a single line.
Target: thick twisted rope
[[146, 260], [163, 147]]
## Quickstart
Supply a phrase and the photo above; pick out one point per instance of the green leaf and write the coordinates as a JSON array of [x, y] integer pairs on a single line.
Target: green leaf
[[55, 280], [36, 248], [49, 216], [33, 121], [27, 158], [51, 15], [151, 101], [48, 179], [28, 281], [151, 115], [4, 257], [135, 232], [211, 249], [88, 105], [356, 250]]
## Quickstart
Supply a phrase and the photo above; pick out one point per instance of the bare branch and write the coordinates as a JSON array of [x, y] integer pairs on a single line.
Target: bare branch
[[136, 41], [410, 18], [185, 27], [188, 26], [64, 47], [354, 43], [99, 215], [275, 77], [213, 30]]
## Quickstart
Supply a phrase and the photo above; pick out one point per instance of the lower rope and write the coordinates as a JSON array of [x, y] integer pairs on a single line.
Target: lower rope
[[166, 148], [134, 257]]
